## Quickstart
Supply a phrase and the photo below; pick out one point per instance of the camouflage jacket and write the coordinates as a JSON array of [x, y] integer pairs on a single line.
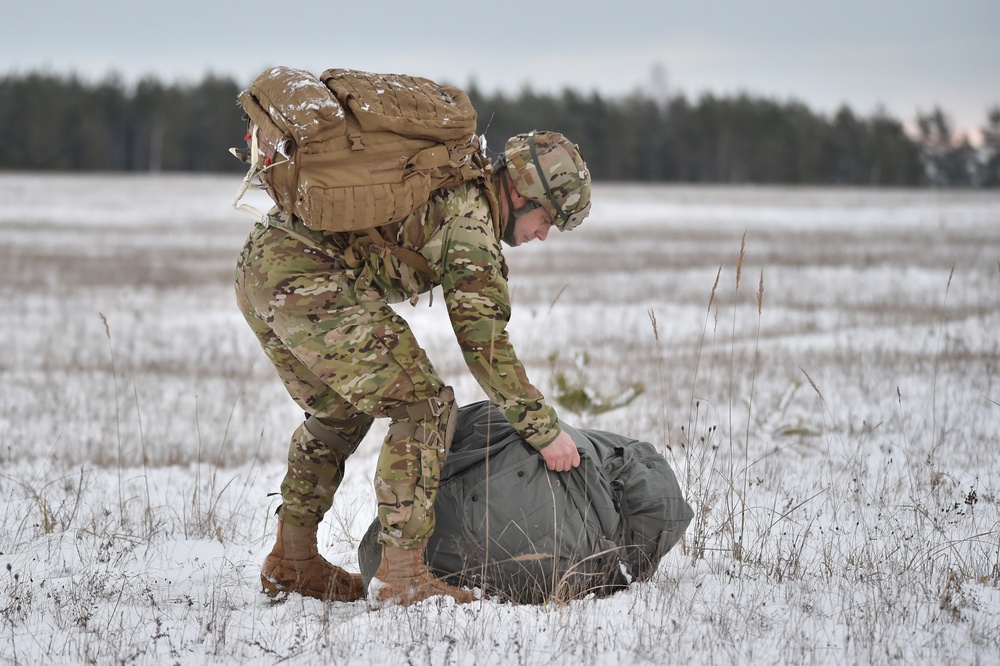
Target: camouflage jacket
[[454, 232]]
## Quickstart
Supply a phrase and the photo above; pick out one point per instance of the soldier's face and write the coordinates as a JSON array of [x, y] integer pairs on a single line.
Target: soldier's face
[[531, 226]]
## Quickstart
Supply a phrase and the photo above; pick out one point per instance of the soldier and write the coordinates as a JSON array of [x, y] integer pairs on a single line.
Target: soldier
[[319, 304]]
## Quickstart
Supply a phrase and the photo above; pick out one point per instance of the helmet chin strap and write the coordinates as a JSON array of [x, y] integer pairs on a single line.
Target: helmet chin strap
[[508, 228]]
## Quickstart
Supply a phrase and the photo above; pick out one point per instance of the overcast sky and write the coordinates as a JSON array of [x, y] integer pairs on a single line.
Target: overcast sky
[[905, 56]]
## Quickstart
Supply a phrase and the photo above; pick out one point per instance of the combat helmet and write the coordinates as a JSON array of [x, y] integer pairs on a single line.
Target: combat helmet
[[548, 169]]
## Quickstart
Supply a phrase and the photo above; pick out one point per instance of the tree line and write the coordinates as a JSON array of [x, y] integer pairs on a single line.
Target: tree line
[[50, 122]]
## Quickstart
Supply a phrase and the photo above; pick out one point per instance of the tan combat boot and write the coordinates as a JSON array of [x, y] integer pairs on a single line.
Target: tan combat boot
[[295, 565], [403, 578]]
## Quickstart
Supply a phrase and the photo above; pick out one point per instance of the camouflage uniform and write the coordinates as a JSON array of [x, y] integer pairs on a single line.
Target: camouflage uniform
[[318, 303]]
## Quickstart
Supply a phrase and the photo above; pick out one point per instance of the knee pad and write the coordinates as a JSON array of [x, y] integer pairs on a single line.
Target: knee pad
[[331, 432]]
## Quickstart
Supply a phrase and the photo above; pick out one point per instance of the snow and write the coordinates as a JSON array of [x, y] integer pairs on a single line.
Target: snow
[[836, 434]]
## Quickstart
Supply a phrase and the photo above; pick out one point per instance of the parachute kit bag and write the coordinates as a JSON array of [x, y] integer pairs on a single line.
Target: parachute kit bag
[[526, 534], [351, 150]]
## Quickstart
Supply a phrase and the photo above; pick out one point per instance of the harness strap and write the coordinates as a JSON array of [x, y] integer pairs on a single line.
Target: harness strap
[[416, 412], [422, 420], [404, 430]]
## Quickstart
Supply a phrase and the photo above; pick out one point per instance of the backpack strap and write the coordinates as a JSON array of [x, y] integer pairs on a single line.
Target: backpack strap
[[491, 198]]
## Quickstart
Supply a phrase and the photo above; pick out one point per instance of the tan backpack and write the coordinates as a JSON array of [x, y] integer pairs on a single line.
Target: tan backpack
[[351, 150]]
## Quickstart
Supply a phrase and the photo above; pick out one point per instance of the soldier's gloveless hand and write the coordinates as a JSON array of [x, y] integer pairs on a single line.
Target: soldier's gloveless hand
[[561, 454]]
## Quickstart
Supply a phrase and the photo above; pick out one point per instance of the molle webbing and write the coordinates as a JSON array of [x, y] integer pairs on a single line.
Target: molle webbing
[[324, 430]]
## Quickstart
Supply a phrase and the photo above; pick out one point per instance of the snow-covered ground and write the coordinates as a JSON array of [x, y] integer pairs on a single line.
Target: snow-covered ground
[[829, 397]]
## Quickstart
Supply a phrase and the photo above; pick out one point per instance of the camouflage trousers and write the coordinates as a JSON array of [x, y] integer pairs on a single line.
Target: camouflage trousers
[[346, 357]]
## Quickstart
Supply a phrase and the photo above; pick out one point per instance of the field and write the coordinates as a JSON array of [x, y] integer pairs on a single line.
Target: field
[[820, 367]]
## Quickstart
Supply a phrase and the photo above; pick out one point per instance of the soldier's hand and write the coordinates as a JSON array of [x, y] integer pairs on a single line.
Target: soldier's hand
[[561, 454]]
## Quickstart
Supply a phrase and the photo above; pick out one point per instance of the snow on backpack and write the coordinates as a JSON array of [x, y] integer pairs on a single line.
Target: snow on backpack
[[508, 525], [350, 150]]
